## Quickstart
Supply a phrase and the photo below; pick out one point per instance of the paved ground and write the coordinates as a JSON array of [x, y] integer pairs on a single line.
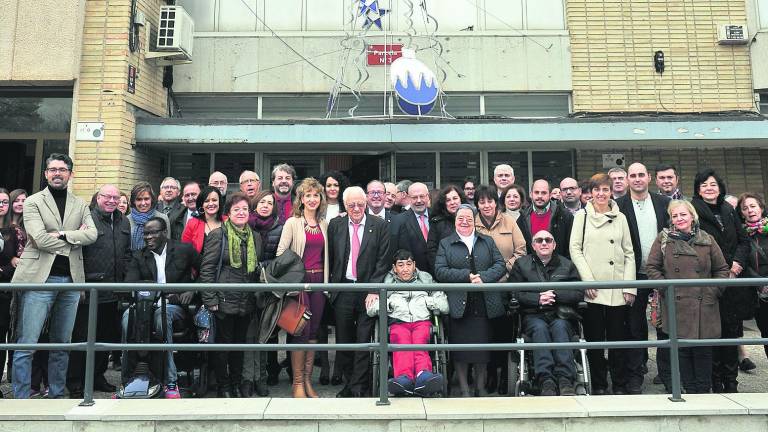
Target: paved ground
[[750, 382]]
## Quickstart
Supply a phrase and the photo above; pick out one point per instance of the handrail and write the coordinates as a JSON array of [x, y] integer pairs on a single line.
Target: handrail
[[382, 345]]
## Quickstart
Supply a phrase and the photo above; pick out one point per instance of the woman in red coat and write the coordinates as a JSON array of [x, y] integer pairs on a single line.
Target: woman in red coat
[[210, 206]]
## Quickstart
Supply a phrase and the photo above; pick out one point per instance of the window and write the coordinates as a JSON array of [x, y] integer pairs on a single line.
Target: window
[[416, 167], [455, 167], [191, 166], [527, 105], [552, 166], [232, 164], [35, 114]]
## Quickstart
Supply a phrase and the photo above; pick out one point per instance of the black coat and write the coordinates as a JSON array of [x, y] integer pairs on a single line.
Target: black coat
[[270, 238], [180, 260], [453, 264], [178, 219], [215, 268], [406, 234], [660, 204], [106, 260], [529, 268], [374, 260], [559, 226], [440, 227], [737, 303]]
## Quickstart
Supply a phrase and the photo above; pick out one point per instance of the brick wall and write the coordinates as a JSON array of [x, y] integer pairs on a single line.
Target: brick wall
[[613, 42], [102, 96], [744, 169]]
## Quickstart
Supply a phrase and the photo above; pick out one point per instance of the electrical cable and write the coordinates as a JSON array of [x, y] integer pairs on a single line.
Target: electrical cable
[[133, 29], [520, 32]]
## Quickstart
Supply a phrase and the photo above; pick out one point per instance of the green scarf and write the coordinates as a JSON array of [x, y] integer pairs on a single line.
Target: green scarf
[[236, 237]]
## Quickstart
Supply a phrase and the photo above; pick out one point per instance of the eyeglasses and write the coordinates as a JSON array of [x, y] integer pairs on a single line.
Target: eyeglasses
[[543, 240], [153, 233], [355, 205], [249, 181], [110, 197], [4, 203], [376, 193], [57, 170]]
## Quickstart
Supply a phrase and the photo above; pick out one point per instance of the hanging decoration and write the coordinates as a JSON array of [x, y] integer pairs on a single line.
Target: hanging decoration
[[415, 85]]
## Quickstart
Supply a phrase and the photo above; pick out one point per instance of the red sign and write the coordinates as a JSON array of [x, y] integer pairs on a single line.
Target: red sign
[[379, 55]]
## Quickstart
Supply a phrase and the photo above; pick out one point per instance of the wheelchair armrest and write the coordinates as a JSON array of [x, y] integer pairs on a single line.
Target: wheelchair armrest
[[513, 306], [582, 305]]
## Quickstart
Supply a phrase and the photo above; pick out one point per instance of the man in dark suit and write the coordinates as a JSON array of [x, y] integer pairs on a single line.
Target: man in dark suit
[[181, 216], [546, 214], [646, 215], [163, 260], [376, 198], [358, 249], [409, 229]]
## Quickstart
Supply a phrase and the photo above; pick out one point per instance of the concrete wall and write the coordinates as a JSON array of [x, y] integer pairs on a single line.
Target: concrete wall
[[758, 31], [259, 63], [613, 42], [40, 40]]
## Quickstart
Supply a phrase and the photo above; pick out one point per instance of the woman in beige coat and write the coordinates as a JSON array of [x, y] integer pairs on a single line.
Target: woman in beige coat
[[493, 221], [306, 234], [601, 249]]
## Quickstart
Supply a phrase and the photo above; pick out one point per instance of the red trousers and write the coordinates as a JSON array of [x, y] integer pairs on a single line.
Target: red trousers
[[410, 363]]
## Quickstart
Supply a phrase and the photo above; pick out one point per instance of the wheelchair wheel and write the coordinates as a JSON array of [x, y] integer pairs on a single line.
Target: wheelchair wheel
[[441, 358], [586, 378], [513, 374], [376, 362]]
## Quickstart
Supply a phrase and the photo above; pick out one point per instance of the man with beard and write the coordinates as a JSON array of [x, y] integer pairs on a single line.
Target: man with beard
[[219, 181], [283, 176], [546, 214], [105, 261], [58, 225], [571, 193]]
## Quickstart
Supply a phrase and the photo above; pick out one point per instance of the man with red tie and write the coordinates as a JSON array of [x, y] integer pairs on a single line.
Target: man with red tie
[[358, 250], [410, 229]]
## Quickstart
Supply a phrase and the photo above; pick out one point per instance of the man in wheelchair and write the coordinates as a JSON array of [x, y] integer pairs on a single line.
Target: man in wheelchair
[[409, 323], [162, 260], [547, 314]]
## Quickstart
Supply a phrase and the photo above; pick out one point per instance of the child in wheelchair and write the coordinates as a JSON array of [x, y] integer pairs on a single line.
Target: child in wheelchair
[[409, 323]]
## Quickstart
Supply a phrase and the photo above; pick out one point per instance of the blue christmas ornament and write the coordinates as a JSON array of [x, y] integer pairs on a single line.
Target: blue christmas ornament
[[372, 12], [415, 85]]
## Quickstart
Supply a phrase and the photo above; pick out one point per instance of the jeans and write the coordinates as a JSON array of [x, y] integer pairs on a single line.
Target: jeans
[[172, 313], [550, 364], [60, 307]]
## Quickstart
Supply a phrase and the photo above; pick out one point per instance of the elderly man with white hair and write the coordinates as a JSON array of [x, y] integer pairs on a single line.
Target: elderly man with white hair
[[503, 177], [358, 251]]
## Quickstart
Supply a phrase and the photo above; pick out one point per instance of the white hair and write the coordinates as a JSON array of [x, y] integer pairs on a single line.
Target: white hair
[[503, 167], [348, 192]]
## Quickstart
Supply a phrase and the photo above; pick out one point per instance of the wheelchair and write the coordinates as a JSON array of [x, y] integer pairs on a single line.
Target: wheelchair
[[192, 367], [439, 358], [521, 379]]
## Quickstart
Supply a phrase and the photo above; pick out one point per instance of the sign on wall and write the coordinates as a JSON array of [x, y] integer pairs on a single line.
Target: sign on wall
[[380, 54]]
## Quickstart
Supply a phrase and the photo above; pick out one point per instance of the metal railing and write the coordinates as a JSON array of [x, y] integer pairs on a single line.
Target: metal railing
[[382, 346]]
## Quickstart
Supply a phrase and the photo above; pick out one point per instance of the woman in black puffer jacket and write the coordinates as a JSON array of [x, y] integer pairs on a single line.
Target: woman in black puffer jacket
[[265, 222], [720, 220], [441, 220]]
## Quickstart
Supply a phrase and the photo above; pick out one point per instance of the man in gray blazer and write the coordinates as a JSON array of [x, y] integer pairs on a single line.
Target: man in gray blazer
[[58, 225]]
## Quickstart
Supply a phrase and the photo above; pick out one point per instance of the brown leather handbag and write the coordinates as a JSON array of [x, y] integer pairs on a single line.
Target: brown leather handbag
[[294, 316]]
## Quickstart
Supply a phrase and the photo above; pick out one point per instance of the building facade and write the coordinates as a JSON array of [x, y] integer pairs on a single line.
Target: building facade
[[555, 88]]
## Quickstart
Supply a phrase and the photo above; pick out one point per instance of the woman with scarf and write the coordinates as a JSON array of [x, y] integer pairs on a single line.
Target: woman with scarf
[[502, 228], [684, 251], [306, 234], [752, 208], [601, 249], [513, 199], [231, 255], [441, 219], [721, 221], [143, 200]]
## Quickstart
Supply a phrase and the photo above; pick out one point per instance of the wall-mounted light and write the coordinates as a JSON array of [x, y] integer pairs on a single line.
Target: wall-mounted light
[[658, 61]]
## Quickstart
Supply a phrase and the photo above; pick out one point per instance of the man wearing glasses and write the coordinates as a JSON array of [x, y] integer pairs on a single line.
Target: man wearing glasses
[[58, 225], [375, 199], [544, 311], [169, 202], [250, 184], [105, 261]]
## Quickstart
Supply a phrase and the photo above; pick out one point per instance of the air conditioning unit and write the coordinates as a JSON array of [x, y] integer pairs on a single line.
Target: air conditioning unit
[[732, 34], [175, 36]]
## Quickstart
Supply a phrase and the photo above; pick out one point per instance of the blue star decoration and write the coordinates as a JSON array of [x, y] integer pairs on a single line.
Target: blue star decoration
[[372, 12]]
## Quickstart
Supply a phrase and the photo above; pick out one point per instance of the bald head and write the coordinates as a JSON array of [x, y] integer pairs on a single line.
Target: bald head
[[419, 196], [570, 192], [540, 193], [638, 177]]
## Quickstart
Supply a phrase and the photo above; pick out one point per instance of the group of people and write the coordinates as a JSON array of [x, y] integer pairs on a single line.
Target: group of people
[[610, 227]]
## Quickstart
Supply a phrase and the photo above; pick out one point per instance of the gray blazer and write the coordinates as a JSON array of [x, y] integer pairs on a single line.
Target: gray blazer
[[41, 217]]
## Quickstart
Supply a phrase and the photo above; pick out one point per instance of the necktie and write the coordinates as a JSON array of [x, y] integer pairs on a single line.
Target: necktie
[[423, 226], [355, 248]]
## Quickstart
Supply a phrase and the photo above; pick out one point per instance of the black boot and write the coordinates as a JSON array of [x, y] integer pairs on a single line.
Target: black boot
[[246, 389], [224, 392], [731, 386]]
